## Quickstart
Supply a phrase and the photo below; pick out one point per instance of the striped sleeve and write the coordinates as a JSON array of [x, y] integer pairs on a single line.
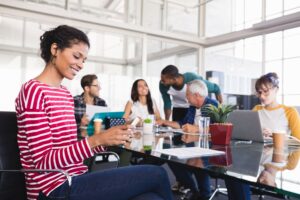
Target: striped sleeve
[[293, 120], [46, 148], [99, 149], [33, 125]]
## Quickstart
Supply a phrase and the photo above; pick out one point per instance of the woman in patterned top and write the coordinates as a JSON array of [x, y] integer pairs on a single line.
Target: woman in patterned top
[[47, 133]]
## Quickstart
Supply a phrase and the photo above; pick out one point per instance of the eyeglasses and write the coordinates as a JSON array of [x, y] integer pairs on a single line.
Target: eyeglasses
[[98, 86], [265, 92]]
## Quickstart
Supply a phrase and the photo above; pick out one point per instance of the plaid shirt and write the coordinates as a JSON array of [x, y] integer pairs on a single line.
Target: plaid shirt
[[80, 109]]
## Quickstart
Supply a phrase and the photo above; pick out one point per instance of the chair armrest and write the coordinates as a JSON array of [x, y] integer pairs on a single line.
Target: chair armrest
[[105, 155], [109, 153], [66, 174]]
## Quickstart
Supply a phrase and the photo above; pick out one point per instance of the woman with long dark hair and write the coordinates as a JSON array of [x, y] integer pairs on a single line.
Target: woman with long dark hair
[[141, 104]]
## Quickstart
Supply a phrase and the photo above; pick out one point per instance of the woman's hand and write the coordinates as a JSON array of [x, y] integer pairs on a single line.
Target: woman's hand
[[189, 128], [267, 132], [114, 136], [160, 122], [187, 138], [84, 120]]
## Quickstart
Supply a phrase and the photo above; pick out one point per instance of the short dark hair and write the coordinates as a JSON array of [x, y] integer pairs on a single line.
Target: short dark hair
[[267, 79], [135, 95], [87, 80], [64, 36], [170, 71]]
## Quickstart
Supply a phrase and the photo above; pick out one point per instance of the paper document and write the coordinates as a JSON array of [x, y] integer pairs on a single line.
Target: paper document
[[189, 152], [91, 110]]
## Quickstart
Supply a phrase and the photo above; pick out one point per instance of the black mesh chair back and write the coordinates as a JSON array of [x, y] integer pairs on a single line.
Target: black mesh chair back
[[12, 185]]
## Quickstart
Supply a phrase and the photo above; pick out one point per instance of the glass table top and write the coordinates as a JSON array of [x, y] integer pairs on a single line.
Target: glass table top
[[255, 163]]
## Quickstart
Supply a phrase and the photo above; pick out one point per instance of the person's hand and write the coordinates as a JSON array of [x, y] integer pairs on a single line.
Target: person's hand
[[160, 122], [195, 162], [114, 136], [189, 128], [84, 120], [267, 133], [187, 138]]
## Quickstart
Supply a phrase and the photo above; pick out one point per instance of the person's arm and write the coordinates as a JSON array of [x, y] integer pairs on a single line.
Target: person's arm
[[166, 99], [39, 139], [172, 124], [219, 98], [127, 110], [156, 111], [114, 136], [294, 121], [168, 113], [214, 88]]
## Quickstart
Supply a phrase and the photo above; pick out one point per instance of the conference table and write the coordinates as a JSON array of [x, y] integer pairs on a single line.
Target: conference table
[[257, 164]]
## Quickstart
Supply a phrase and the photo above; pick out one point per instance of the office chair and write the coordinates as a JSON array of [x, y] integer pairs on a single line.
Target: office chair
[[12, 180]]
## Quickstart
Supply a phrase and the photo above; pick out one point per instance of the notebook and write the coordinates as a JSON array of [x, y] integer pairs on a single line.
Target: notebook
[[246, 126]]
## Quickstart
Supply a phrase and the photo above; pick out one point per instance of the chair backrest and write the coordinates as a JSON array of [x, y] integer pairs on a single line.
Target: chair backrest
[[12, 185]]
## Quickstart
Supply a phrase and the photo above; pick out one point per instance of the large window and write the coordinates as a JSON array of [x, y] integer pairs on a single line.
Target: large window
[[240, 62]]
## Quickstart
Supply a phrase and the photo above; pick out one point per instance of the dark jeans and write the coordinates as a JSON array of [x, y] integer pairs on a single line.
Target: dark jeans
[[185, 177], [178, 113], [134, 182], [237, 190]]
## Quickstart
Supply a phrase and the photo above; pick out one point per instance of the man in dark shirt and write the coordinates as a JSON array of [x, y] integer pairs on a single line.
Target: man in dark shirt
[[90, 95]]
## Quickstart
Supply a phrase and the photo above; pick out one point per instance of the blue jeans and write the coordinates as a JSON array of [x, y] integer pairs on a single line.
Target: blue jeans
[[185, 177], [134, 182], [237, 190]]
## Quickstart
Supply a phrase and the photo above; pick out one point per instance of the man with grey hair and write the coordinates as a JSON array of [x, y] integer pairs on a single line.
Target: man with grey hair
[[196, 95]]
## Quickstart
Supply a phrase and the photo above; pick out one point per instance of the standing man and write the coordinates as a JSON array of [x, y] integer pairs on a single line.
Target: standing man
[[90, 95], [174, 84]]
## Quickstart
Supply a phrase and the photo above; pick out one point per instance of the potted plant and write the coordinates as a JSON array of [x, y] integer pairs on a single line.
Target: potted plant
[[220, 130]]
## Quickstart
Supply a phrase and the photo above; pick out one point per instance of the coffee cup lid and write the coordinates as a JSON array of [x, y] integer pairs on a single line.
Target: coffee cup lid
[[98, 120], [278, 131]]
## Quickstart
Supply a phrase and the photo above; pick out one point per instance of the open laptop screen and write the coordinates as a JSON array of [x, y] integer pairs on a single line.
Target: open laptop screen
[[246, 125]]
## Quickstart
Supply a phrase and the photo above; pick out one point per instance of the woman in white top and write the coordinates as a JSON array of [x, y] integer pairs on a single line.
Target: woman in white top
[[141, 104]]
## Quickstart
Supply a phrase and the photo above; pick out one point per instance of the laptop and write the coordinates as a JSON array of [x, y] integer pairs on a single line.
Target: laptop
[[246, 126], [246, 159]]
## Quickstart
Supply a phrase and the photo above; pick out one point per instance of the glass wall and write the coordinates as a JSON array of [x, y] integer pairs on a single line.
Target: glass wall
[[240, 62]]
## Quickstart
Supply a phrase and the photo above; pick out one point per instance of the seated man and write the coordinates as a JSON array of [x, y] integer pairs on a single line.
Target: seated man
[[90, 95], [197, 96]]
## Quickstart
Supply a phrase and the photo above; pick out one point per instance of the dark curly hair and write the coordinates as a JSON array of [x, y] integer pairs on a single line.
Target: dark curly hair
[[170, 71], [64, 36], [135, 95], [267, 79]]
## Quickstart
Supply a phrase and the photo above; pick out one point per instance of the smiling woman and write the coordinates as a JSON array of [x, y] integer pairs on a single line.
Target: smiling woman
[[47, 134]]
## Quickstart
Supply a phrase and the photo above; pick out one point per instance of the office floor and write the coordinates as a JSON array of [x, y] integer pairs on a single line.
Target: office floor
[[217, 197]]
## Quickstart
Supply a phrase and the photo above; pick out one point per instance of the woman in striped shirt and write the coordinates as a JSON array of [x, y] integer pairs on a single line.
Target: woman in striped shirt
[[47, 135]]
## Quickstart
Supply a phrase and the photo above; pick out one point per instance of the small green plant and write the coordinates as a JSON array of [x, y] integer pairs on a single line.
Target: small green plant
[[218, 114], [147, 121]]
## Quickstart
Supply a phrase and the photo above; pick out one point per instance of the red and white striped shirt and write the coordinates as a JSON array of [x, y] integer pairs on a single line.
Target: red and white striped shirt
[[47, 136]]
